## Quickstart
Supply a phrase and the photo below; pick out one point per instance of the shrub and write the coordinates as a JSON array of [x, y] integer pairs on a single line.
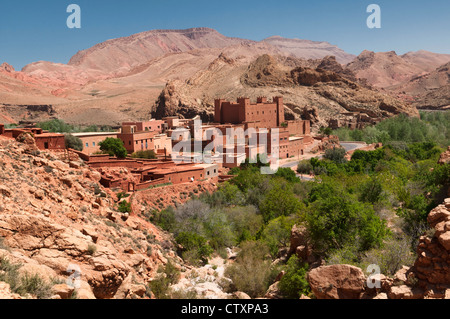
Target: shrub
[[73, 142], [394, 254], [293, 284], [304, 167], [279, 201], [335, 154], [245, 222], [166, 219], [337, 220], [193, 242], [148, 154], [23, 284], [169, 275], [277, 233], [92, 249], [252, 272], [124, 207]]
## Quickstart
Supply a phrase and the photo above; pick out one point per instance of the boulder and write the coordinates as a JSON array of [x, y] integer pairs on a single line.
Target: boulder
[[405, 292], [273, 292], [63, 290], [241, 295], [337, 282]]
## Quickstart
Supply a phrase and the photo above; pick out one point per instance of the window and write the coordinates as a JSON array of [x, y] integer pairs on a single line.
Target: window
[[93, 144], [87, 144]]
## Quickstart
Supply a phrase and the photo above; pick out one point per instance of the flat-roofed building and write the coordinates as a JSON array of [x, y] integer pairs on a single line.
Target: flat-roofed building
[[91, 140]]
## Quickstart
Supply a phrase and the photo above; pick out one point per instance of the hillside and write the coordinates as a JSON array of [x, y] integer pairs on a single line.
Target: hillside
[[386, 69], [305, 90]]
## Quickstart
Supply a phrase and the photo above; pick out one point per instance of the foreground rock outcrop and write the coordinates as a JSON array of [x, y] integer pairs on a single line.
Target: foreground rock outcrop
[[432, 266], [337, 282], [58, 222]]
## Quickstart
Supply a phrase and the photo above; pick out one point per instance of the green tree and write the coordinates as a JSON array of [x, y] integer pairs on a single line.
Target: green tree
[[114, 147], [277, 233], [338, 220], [336, 154], [279, 201]]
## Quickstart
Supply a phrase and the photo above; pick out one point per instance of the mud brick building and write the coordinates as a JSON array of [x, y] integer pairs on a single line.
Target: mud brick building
[[43, 139], [262, 114]]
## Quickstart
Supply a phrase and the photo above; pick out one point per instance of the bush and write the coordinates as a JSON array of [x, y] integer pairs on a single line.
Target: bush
[[304, 167], [394, 254], [124, 207], [252, 272], [194, 243], [23, 284], [166, 219], [148, 154], [169, 275], [279, 201], [338, 220], [277, 234], [294, 284], [92, 249], [73, 142], [336, 155], [245, 222], [56, 126]]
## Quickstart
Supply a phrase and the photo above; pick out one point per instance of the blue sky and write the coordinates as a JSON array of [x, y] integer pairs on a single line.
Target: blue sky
[[32, 30]]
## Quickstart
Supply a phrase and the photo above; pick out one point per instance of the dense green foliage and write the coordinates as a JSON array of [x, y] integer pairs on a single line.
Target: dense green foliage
[[59, 126], [113, 147], [432, 127], [345, 210], [294, 284]]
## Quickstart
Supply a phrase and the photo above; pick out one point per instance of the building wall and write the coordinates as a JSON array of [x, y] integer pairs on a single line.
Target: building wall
[[141, 141], [299, 127], [50, 142], [91, 142], [296, 147], [262, 113], [148, 126]]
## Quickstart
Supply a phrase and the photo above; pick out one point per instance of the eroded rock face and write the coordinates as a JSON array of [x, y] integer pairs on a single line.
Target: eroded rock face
[[50, 226], [337, 282]]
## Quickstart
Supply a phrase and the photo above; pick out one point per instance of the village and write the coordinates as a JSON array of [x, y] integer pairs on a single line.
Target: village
[[187, 150]]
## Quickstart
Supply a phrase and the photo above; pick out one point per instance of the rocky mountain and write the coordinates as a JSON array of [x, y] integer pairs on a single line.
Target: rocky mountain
[[127, 78], [307, 49], [304, 89], [120, 55], [387, 69], [430, 91]]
